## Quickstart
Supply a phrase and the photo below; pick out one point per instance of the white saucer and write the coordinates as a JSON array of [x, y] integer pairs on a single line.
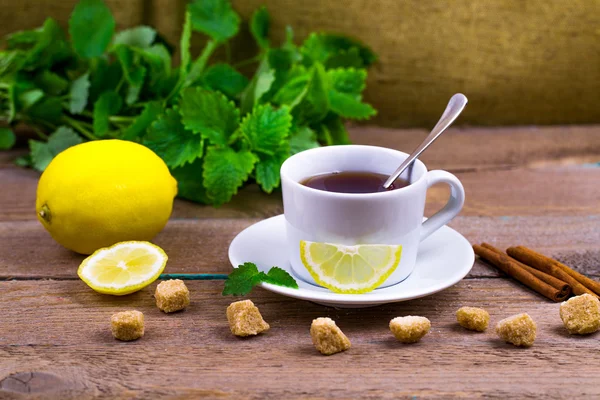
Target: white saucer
[[444, 258]]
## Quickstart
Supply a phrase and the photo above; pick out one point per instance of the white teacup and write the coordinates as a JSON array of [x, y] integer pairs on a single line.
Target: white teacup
[[394, 217]]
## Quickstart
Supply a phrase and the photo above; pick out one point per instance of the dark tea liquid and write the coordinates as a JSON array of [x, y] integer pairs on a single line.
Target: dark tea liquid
[[352, 182]]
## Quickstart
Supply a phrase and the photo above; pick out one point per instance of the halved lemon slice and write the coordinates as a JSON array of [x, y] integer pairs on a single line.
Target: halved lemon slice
[[350, 269], [123, 268]]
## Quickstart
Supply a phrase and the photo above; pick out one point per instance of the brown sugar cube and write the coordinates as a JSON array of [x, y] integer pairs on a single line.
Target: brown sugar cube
[[410, 329], [327, 337], [172, 295], [473, 318], [518, 329], [127, 325], [581, 314], [245, 319]]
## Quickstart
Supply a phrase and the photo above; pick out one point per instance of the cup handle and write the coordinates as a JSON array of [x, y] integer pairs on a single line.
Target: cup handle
[[451, 209]]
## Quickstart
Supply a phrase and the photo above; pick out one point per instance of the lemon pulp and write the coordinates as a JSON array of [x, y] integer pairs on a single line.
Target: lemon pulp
[[123, 268], [350, 269]]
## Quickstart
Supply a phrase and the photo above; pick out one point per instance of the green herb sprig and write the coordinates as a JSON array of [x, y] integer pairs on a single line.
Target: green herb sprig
[[242, 279], [213, 127]]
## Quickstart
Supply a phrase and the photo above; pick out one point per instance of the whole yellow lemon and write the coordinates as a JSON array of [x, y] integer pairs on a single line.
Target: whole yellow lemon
[[99, 193]]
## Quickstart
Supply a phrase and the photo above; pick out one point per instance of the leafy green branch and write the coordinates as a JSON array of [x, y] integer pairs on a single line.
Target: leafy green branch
[[215, 128]]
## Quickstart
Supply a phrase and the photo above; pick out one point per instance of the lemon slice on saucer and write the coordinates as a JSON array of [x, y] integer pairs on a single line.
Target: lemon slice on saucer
[[123, 268], [350, 269]]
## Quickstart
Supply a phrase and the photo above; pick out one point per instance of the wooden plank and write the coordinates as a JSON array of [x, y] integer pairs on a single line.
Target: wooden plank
[[536, 191], [461, 149], [200, 246], [477, 147], [61, 329]]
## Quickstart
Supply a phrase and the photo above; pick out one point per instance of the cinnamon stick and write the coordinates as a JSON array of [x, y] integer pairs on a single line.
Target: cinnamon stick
[[584, 280], [564, 287], [532, 259], [504, 263]]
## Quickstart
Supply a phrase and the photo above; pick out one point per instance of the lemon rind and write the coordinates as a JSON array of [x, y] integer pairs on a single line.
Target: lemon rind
[[128, 289], [397, 255]]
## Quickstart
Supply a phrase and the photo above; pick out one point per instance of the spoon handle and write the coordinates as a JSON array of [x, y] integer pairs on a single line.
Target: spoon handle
[[455, 106]]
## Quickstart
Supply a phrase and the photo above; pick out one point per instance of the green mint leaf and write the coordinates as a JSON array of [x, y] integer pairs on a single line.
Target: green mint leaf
[[184, 44], [313, 103], [209, 113], [294, 90], [7, 139], [48, 48], [24, 161], [332, 131], [104, 76], [51, 83], [133, 71], [23, 40], [43, 153], [280, 277], [263, 84], [214, 18], [109, 103], [347, 80], [319, 47], [140, 36], [189, 182], [303, 139], [11, 61], [139, 126], [78, 94], [266, 128], [225, 79], [168, 138], [350, 58], [282, 61], [259, 85], [242, 279], [267, 169], [48, 110], [259, 27], [91, 27], [225, 170], [28, 98], [350, 106], [158, 62]]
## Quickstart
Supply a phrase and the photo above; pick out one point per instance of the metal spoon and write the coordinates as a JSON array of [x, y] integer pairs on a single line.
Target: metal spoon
[[455, 106]]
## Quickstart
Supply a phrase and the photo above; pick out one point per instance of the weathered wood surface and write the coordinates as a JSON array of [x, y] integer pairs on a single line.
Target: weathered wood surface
[[531, 186], [193, 353], [200, 246], [483, 158]]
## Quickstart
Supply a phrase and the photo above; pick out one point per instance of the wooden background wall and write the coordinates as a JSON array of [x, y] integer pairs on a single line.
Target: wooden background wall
[[518, 61]]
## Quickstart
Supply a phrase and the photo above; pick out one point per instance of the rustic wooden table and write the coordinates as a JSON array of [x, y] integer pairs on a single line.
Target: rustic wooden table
[[534, 186]]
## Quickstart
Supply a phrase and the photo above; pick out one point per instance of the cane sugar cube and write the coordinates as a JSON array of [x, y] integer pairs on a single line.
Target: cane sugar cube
[[410, 329], [473, 318], [519, 330], [172, 295], [581, 314], [127, 325], [245, 319], [327, 337]]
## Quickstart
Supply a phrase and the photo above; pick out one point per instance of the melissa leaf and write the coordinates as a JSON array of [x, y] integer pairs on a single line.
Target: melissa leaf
[[210, 114], [225, 170], [109, 103], [259, 27], [140, 36], [91, 27], [78, 94], [169, 139], [43, 153], [214, 18]]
